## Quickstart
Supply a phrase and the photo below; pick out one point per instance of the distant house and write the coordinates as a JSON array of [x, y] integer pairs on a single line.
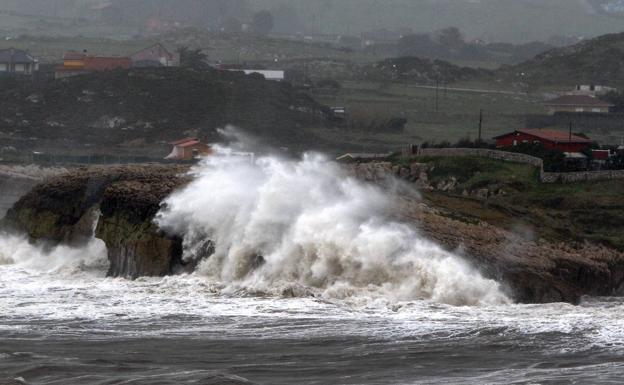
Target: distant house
[[188, 149], [592, 90], [577, 104], [354, 157], [18, 62], [155, 56], [275, 75], [552, 139], [76, 63]]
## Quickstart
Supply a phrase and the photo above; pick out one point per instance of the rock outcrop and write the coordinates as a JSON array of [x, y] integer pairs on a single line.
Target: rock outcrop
[[122, 200], [126, 199]]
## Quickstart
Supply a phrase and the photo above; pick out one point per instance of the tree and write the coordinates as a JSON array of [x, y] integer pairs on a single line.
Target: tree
[[262, 22], [451, 37], [192, 58]]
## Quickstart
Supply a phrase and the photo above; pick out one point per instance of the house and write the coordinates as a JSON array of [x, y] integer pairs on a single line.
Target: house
[[592, 90], [76, 63], [353, 157], [188, 149], [577, 104], [155, 56], [275, 75], [17, 62], [551, 139]]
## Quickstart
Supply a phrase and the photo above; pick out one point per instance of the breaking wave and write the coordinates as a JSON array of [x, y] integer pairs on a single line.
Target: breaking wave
[[59, 260], [305, 227]]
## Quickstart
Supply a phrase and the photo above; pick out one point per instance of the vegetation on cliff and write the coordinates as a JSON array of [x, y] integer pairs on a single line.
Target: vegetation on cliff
[[140, 110]]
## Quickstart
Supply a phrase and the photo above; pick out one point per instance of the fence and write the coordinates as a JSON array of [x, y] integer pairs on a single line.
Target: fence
[[545, 177]]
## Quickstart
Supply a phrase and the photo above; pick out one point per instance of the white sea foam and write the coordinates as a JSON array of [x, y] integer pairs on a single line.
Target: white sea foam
[[319, 232], [61, 260]]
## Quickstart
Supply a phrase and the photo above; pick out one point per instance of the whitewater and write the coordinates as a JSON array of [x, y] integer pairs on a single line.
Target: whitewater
[[304, 276]]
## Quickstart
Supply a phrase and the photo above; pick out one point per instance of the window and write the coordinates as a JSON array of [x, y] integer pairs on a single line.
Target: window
[[579, 109], [515, 142], [596, 110], [3, 67]]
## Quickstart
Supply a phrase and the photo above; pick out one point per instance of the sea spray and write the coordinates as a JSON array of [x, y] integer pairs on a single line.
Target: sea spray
[[59, 260], [305, 227]]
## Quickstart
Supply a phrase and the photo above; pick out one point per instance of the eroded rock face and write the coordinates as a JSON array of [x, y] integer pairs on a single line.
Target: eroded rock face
[[126, 199], [122, 200]]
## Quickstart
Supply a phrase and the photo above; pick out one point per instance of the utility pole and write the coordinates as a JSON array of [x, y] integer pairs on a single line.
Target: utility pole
[[480, 125], [437, 88]]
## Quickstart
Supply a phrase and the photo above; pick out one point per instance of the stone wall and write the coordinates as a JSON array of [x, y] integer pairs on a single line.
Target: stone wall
[[546, 177], [573, 177], [484, 153]]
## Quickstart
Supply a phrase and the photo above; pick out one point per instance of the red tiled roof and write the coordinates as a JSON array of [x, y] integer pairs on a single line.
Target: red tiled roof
[[103, 63], [554, 135], [578, 100], [177, 142], [189, 144], [73, 56]]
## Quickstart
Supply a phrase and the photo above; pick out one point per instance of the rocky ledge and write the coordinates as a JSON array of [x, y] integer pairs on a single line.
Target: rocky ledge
[[123, 199], [126, 199]]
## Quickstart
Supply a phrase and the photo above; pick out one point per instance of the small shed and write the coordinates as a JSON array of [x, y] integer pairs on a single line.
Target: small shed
[[188, 149]]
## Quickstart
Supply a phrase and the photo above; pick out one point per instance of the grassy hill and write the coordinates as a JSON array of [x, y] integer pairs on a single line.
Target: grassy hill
[[598, 61], [140, 110]]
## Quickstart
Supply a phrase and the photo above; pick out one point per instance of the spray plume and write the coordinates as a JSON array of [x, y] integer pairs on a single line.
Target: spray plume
[[304, 227]]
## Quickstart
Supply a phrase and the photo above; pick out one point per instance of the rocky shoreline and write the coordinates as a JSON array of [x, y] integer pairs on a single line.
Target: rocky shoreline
[[125, 200]]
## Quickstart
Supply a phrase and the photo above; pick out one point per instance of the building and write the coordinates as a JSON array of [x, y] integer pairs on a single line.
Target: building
[[353, 157], [188, 149], [577, 104], [155, 56], [76, 63], [17, 62], [592, 90], [552, 139], [275, 75]]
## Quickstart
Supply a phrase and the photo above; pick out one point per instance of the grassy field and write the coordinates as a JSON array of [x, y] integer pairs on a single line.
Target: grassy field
[[591, 211], [457, 115]]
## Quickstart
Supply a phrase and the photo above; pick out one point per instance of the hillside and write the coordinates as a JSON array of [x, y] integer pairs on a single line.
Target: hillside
[[140, 110], [597, 61]]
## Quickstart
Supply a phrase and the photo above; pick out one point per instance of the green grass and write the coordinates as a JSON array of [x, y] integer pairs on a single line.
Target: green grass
[[588, 211], [457, 116]]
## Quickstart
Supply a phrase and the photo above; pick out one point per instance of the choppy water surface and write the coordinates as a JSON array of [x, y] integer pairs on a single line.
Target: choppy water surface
[[66, 324], [342, 295]]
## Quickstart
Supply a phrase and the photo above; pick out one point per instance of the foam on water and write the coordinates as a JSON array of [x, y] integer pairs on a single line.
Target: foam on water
[[304, 227]]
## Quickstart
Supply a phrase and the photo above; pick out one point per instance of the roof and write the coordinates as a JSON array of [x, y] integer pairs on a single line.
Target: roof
[[188, 144], [353, 155], [13, 55], [578, 100], [102, 63], [550, 135], [177, 142], [575, 155], [73, 56], [151, 47]]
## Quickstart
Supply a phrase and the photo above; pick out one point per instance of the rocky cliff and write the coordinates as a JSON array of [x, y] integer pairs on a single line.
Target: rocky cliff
[[121, 200], [126, 198]]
